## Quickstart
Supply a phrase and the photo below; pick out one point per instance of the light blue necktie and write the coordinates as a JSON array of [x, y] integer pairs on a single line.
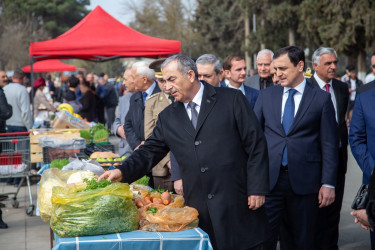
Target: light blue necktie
[[144, 94], [288, 118]]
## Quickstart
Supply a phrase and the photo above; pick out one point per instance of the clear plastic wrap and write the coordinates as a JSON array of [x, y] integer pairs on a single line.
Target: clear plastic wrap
[[61, 143], [54, 177], [93, 212], [90, 165]]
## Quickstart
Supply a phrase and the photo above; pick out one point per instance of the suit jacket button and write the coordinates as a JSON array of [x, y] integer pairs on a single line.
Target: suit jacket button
[[196, 143], [203, 170], [210, 196]]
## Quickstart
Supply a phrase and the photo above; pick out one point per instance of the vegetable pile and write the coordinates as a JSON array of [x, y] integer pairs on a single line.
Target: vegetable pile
[[93, 211]]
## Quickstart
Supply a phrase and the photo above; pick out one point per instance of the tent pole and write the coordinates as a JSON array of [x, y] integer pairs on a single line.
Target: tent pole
[[32, 88]]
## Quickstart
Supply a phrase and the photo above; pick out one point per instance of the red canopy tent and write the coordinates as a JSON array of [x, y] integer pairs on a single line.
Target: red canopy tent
[[51, 65], [100, 37]]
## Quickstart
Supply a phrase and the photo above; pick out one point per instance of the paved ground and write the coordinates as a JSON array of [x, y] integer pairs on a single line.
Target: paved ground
[[31, 233]]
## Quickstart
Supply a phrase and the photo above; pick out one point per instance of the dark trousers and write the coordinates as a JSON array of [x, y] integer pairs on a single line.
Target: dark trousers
[[11, 129], [327, 229], [110, 116], [299, 211], [164, 182], [372, 238]]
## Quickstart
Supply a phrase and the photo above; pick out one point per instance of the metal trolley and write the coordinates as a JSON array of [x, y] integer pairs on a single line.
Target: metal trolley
[[15, 162]]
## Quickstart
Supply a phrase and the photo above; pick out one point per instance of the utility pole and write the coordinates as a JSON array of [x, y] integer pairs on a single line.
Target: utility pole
[[247, 33], [255, 31]]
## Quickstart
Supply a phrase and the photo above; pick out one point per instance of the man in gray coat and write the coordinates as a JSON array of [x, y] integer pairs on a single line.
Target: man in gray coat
[[263, 79]]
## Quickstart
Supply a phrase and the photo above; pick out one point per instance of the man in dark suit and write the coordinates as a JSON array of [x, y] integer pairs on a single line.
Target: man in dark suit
[[134, 121], [263, 79], [235, 71], [325, 66], [226, 186], [362, 142], [366, 87], [301, 131], [210, 70], [144, 80]]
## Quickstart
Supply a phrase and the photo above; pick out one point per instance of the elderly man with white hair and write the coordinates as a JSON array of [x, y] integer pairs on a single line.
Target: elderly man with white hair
[[263, 79], [145, 85]]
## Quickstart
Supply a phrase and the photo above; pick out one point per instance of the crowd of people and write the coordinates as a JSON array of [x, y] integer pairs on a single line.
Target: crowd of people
[[262, 158]]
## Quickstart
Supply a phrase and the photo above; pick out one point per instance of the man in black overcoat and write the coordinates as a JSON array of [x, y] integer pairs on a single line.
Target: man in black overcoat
[[227, 185]]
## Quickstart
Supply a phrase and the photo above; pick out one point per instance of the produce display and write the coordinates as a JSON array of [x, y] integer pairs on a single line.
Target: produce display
[[107, 159], [98, 210], [54, 177], [99, 133], [85, 134], [161, 211]]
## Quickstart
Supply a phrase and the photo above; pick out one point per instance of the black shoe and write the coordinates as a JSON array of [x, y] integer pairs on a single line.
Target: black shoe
[[3, 224]]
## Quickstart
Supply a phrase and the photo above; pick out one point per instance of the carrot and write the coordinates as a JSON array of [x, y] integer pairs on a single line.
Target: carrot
[[166, 198], [139, 203], [157, 201], [147, 200]]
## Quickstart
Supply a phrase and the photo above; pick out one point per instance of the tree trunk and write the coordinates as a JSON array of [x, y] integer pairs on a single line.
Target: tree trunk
[[247, 33], [262, 25], [291, 36], [361, 65]]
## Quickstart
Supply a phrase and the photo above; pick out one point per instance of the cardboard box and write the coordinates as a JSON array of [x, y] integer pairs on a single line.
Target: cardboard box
[[36, 152]]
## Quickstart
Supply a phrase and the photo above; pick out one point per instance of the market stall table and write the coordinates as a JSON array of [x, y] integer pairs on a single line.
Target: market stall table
[[188, 239]]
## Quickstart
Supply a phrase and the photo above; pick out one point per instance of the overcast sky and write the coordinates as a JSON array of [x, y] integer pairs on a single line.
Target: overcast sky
[[115, 8]]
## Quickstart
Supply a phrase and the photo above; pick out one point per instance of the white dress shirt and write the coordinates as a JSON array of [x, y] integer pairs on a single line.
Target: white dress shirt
[[241, 88], [322, 85], [353, 87], [150, 90], [197, 100], [297, 97]]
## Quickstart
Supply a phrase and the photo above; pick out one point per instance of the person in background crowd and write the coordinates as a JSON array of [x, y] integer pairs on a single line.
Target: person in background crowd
[[40, 98], [346, 77], [134, 121], [210, 69], [87, 110], [153, 106], [263, 79], [353, 83], [107, 92], [123, 108], [299, 123], [362, 144], [227, 185], [5, 113], [70, 95], [325, 65], [21, 120], [273, 75], [235, 71], [51, 87], [371, 76]]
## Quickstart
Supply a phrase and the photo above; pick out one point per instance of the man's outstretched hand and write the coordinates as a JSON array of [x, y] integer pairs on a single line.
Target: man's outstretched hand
[[112, 175]]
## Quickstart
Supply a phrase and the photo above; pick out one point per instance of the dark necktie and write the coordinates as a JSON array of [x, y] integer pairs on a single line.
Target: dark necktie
[[144, 95], [194, 114], [288, 118], [171, 98]]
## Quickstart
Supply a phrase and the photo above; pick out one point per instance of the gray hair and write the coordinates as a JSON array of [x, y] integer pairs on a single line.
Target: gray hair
[[321, 51], [210, 59], [184, 64], [142, 69], [264, 52]]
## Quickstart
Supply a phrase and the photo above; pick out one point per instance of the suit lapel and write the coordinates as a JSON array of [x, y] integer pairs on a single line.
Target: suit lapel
[[139, 100], [208, 102], [183, 118], [307, 97], [277, 102]]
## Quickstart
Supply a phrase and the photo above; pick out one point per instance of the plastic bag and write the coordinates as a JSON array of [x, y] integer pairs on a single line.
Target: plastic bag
[[56, 142], [94, 212], [54, 177], [84, 165], [169, 219], [66, 120]]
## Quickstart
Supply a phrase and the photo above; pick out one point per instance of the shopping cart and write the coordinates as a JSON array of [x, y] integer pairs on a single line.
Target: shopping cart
[[15, 162]]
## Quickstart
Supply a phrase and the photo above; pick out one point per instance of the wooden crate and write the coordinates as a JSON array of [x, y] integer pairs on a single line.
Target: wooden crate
[[36, 152]]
